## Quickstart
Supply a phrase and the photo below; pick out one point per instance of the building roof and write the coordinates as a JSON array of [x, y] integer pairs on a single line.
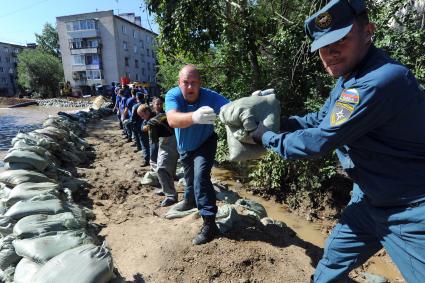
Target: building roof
[[101, 14]]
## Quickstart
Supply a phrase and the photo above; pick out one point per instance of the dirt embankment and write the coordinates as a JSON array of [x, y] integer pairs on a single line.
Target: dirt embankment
[[148, 248]]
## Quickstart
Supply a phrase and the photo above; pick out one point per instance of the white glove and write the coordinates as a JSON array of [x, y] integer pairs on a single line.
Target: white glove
[[204, 115]]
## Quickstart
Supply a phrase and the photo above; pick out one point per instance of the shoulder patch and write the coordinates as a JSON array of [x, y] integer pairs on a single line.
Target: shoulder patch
[[341, 113], [350, 95]]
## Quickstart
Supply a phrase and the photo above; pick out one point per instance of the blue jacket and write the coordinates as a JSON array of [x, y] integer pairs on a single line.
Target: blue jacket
[[374, 119]]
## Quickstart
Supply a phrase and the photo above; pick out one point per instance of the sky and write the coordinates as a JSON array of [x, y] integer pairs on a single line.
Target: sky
[[21, 19]]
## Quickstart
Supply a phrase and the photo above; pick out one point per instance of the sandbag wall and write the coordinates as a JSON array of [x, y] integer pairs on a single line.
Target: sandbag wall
[[45, 235]]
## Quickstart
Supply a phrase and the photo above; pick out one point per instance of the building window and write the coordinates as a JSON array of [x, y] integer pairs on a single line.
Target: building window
[[3, 80], [135, 49], [143, 71], [79, 60], [134, 33], [93, 75], [137, 77], [124, 29], [81, 25], [125, 45], [142, 44], [6, 50], [1, 70], [149, 66], [127, 75], [0, 59], [7, 59], [153, 54], [136, 63], [126, 61], [92, 59]]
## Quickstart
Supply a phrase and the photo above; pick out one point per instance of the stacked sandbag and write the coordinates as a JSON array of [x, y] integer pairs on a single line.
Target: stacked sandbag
[[40, 225], [242, 116]]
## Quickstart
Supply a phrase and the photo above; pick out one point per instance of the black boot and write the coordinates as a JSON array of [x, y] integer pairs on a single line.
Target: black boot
[[185, 205], [208, 231]]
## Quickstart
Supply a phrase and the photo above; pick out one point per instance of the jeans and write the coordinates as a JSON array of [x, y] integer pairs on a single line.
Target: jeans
[[144, 138], [153, 155], [197, 166], [364, 229]]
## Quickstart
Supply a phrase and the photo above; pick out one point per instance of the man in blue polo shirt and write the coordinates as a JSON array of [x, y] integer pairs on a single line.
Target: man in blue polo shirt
[[371, 119], [191, 110]]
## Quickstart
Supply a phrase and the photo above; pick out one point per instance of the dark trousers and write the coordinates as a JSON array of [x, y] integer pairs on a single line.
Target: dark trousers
[[154, 151], [119, 119], [197, 166], [144, 142]]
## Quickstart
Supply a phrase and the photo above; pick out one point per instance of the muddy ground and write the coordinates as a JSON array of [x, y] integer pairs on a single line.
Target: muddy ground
[[148, 248]]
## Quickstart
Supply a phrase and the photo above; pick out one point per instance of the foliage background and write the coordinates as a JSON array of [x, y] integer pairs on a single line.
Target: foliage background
[[244, 45]]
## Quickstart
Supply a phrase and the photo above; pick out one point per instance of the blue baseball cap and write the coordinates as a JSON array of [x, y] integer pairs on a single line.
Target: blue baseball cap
[[332, 22]]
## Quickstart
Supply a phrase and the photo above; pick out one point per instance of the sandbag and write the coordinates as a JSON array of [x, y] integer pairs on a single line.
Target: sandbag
[[35, 225], [8, 256], [226, 218], [83, 264], [25, 191], [23, 208], [172, 213], [49, 245], [6, 276], [25, 270], [150, 179], [24, 156], [241, 117], [16, 177], [53, 132], [257, 209], [21, 145], [6, 225]]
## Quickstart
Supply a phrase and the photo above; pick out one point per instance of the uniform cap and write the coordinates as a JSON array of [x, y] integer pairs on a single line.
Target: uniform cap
[[332, 22]]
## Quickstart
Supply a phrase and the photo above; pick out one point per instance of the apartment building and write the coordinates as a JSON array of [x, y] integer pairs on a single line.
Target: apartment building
[[99, 48], [8, 73]]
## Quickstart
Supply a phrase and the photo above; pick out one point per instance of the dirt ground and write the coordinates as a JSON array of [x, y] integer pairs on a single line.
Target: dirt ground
[[148, 248]]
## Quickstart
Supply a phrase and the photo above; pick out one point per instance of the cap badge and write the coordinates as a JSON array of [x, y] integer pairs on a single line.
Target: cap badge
[[323, 20]]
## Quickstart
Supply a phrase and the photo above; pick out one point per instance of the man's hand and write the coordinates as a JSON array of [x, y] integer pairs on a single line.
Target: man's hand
[[204, 115], [257, 134]]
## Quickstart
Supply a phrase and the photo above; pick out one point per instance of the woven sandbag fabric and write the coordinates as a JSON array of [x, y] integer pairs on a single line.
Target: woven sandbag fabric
[[242, 117]]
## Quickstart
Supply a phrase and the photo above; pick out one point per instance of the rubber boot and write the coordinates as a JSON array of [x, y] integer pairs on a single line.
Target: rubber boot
[[208, 231]]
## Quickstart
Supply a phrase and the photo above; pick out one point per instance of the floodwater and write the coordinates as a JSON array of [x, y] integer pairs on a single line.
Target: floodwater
[[23, 120], [306, 230]]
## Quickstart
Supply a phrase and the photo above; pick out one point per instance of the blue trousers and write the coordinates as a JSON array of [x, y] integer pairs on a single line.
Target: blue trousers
[[197, 166], [364, 229]]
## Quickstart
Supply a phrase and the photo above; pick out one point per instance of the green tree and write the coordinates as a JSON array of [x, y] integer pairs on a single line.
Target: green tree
[[48, 40], [40, 72]]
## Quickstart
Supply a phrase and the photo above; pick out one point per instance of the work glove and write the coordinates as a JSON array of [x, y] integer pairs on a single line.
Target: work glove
[[263, 92], [204, 115], [257, 134], [157, 120]]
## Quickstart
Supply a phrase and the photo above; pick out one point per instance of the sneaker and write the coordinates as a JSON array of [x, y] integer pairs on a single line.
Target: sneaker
[[159, 192], [208, 232], [168, 201], [184, 205]]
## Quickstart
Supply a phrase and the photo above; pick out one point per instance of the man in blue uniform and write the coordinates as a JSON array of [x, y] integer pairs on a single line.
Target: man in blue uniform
[[371, 119], [191, 110]]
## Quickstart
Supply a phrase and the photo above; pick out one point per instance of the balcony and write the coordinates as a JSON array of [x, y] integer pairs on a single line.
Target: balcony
[[84, 33], [88, 50]]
